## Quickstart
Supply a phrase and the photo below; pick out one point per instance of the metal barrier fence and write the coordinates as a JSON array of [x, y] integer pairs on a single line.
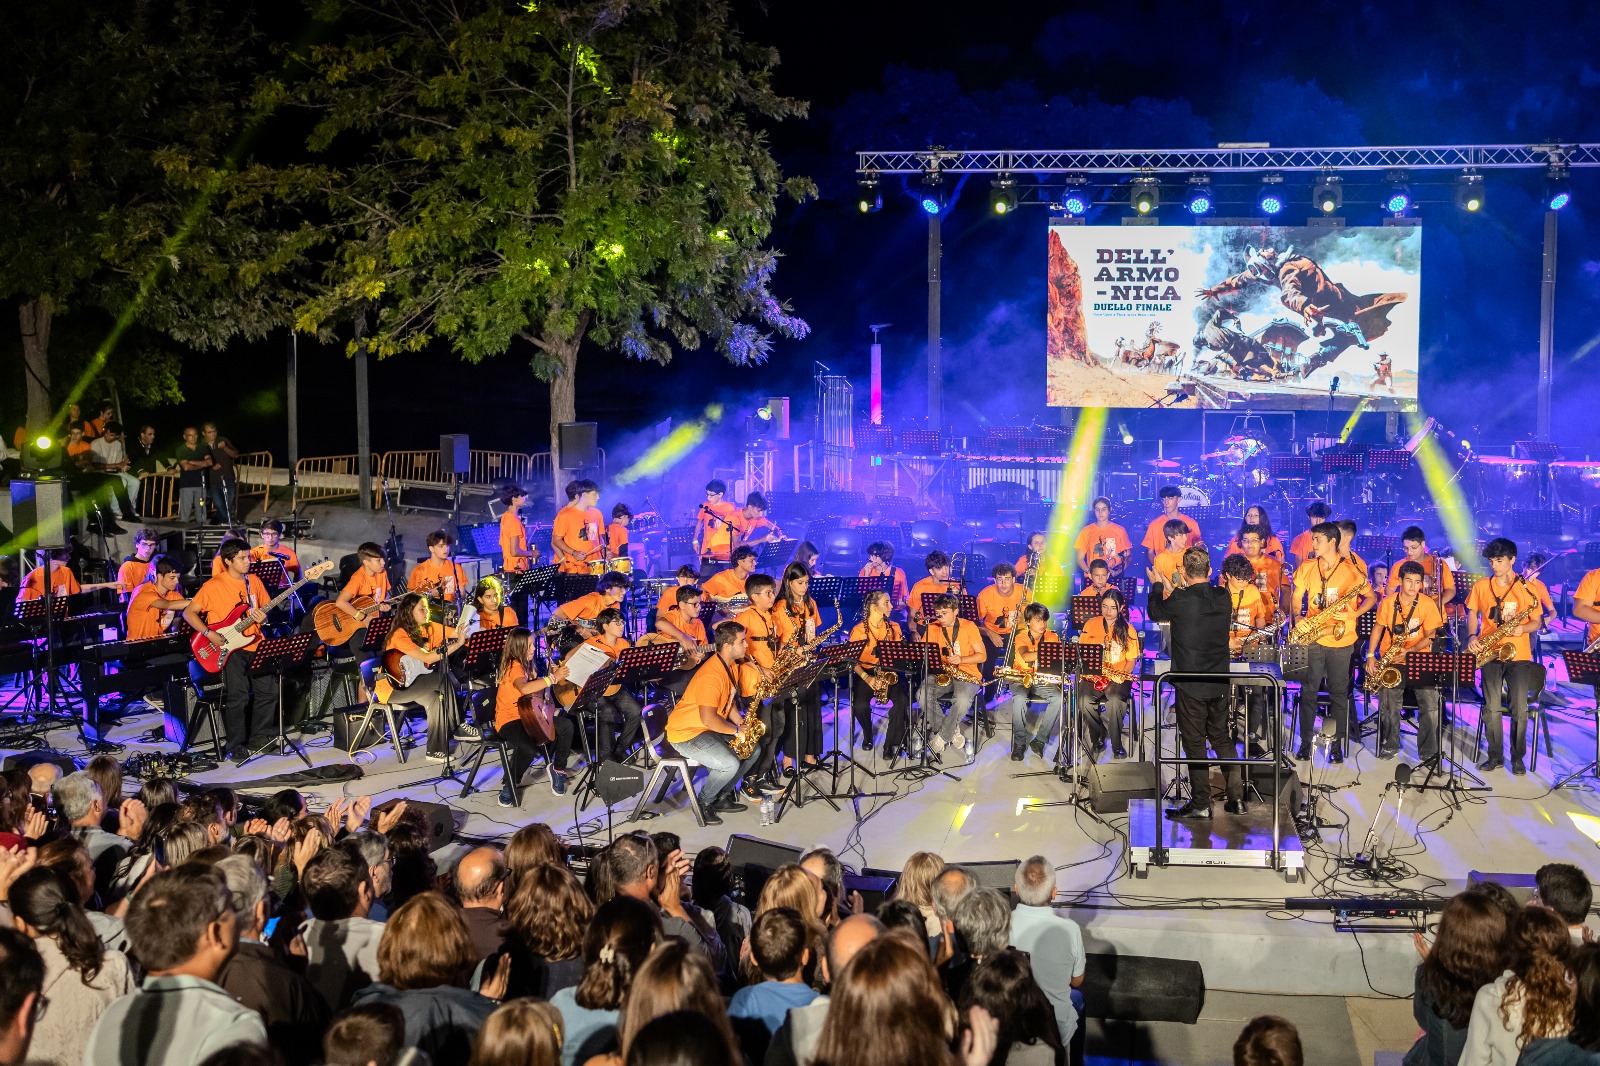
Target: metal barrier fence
[[329, 477], [253, 471], [158, 496]]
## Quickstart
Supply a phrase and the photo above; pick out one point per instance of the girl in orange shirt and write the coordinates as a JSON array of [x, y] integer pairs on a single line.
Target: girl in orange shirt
[[622, 707], [514, 682], [876, 627], [415, 637], [1106, 710], [486, 611], [805, 622], [1255, 517]]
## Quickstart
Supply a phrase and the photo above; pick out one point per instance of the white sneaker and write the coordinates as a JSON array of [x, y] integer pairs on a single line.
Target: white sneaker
[[936, 744], [960, 741]]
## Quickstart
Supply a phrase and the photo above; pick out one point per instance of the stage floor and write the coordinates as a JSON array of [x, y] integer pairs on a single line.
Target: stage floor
[[1232, 919]]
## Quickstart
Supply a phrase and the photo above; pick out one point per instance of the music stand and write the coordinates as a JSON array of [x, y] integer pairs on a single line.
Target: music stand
[[1456, 668], [839, 660], [378, 629], [917, 658], [271, 572], [1083, 608], [775, 554], [793, 792], [278, 656], [1289, 467], [482, 653], [591, 691], [646, 663], [853, 591], [1070, 660], [1583, 668]]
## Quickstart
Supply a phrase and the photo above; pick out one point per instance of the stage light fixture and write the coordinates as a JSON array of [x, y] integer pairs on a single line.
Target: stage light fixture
[[870, 198], [1557, 188], [1199, 199], [1469, 192], [1398, 198], [1003, 195], [1146, 196], [1270, 199], [43, 443], [1328, 196], [1075, 198]]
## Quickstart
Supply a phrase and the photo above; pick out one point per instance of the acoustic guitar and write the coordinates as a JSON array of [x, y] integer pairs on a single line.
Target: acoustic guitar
[[566, 693], [334, 626], [231, 629], [538, 716], [687, 657]]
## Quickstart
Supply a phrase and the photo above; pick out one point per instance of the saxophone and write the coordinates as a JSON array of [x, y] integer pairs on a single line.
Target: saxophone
[[744, 742], [1026, 677], [792, 657], [1387, 675], [1313, 627], [1497, 645]]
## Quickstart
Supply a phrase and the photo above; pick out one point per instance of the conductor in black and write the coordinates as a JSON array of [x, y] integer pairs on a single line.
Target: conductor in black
[[1199, 612]]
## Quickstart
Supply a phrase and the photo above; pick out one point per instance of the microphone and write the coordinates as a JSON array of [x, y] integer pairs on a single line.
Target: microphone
[[1402, 776]]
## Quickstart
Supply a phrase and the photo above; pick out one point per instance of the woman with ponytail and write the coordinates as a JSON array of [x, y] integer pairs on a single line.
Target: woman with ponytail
[[1530, 1001], [618, 940], [80, 977]]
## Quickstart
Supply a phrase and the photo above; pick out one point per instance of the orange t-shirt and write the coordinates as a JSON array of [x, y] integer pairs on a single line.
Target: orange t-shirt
[[617, 539], [1248, 608], [78, 447], [1512, 601], [921, 588], [724, 585], [1025, 650], [691, 626], [716, 539], [220, 595], [507, 695], [1300, 547], [63, 582], [1123, 660], [711, 686], [284, 555], [797, 621], [899, 589], [505, 618], [669, 598], [132, 573], [143, 620], [514, 537], [1109, 542], [767, 633], [1156, 540], [1589, 592], [963, 641], [585, 608], [362, 583], [993, 608], [752, 527], [1422, 621], [1430, 566], [399, 640], [1272, 569], [430, 573], [1543, 593], [1169, 563], [1309, 582], [622, 645], [1273, 547], [862, 631]]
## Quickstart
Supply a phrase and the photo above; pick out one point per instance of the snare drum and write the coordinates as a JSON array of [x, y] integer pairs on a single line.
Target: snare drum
[[622, 564]]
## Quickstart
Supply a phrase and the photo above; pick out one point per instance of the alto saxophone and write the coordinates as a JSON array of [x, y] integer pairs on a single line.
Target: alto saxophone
[[1387, 675], [1497, 645], [1313, 627], [879, 680], [744, 742]]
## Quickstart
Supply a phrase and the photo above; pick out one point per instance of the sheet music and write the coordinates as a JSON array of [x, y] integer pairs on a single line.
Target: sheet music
[[585, 662]]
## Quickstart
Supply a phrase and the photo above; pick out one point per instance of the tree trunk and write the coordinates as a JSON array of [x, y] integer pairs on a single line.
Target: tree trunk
[[35, 316], [563, 406]]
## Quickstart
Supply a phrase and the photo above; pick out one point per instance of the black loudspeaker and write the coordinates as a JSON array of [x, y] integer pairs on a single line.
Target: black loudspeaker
[[455, 454], [26, 760], [38, 513], [441, 825], [1113, 784], [615, 782], [874, 890], [1000, 874], [754, 860], [177, 711], [578, 445], [1141, 988], [348, 733]]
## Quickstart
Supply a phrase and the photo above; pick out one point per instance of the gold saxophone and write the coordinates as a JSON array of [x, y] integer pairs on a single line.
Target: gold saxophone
[[1026, 677], [1313, 627], [791, 657], [1387, 675], [1497, 644], [751, 730]]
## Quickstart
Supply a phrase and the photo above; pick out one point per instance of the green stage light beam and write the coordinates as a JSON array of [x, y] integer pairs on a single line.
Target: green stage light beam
[[670, 450], [1460, 525], [1073, 496]]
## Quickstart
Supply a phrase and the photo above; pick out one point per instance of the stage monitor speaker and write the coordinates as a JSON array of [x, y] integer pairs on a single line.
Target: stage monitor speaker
[[455, 455], [754, 860], [1000, 874], [349, 732], [578, 442], [616, 782], [441, 825], [27, 760], [779, 406], [1113, 784], [38, 513], [874, 890], [1142, 988]]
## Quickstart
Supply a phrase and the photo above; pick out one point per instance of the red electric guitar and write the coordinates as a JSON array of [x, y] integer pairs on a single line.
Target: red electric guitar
[[231, 629]]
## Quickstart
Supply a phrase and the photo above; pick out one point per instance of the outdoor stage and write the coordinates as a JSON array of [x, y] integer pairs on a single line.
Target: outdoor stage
[[1232, 920]]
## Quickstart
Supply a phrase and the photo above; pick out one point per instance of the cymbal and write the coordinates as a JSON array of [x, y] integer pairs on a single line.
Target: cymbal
[[1162, 464]]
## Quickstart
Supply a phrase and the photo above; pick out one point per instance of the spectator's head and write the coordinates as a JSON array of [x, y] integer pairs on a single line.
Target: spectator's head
[[780, 944], [21, 983], [890, 990], [1268, 1041], [226, 801], [548, 913], [530, 846], [372, 1034], [1468, 952], [1565, 889], [1035, 884], [1003, 985], [983, 918], [46, 903], [713, 877], [674, 978], [177, 842], [679, 1038], [182, 922], [519, 1032], [157, 790], [1540, 946], [901, 915], [70, 856], [42, 777], [1500, 896], [793, 886], [372, 848], [77, 799], [16, 790], [425, 944], [286, 803], [106, 772], [1585, 966], [481, 879], [411, 866], [827, 868], [203, 811], [336, 885], [846, 940], [248, 886], [618, 940], [951, 886], [627, 867]]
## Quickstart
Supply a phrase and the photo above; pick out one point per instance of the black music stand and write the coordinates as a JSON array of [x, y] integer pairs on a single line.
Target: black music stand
[[774, 554], [1071, 660], [967, 606], [278, 656], [646, 664], [794, 791], [482, 652], [1456, 669], [1083, 608], [915, 659], [853, 591], [46, 613], [588, 696], [1583, 668], [378, 629], [839, 661]]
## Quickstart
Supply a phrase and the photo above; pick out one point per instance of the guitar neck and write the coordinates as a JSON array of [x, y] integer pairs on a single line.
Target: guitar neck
[[245, 622]]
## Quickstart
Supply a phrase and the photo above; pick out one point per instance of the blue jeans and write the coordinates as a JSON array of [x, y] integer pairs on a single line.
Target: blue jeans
[[961, 694], [1050, 696], [223, 495], [723, 767], [192, 500]]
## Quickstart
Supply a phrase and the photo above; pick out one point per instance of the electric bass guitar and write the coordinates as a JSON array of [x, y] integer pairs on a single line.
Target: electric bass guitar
[[334, 626], [231, 630]]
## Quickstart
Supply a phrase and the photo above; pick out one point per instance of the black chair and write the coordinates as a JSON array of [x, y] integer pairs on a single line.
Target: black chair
[[480, 706], [208, 699], [928, 534]]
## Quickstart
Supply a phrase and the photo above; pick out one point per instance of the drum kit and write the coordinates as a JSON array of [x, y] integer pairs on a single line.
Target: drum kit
[[1235, 470]]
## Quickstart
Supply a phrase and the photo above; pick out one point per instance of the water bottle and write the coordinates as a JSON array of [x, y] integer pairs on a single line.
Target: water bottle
[[768, 809]]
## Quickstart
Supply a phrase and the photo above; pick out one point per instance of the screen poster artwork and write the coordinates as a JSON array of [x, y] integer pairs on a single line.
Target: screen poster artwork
[[1232, 316]]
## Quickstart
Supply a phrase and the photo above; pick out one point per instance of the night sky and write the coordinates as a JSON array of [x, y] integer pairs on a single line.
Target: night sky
[[1147, 75]]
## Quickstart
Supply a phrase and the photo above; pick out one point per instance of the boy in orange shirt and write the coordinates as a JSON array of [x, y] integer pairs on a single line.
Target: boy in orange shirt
[[687, 575], [135, 569], [371, 579], [752, 523], [706, 719], [714, 526], [155, 603], [937, 583], [1156, 539], [575, 537], [729, 584], [1268, 570], [438, 572], [272, 547], [250, 713], [1492, 604], [63, 582], [584, 611], [1169, 563], [880, 563], [961, 648], [1300, 547], [1411, 618], [617, 531], [999, 609], [516, 555]]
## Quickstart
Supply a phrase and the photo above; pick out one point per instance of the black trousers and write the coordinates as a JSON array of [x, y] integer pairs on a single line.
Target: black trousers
[[808, 705], [1330, 668], [894, 730], [523, 749], [613, 711], [774, 714], [1518, 677], [250, 713], [429, 690], [1203, 719]]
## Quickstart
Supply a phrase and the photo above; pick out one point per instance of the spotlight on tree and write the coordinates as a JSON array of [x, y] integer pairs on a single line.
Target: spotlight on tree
[[1469, 192], [1328, 195]]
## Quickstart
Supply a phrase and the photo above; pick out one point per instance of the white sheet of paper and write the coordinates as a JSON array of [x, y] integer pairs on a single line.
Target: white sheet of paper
[[585, 662]]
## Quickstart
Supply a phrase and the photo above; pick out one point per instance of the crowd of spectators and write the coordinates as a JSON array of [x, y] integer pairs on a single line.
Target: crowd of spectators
[[169, 929]]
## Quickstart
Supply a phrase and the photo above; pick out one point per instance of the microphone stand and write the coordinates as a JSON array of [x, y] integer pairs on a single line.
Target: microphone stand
[[393, 549]]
